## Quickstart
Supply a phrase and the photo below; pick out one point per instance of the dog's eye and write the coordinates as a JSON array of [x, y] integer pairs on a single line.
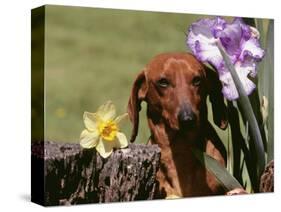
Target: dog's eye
[[196, 81], [163, 83]]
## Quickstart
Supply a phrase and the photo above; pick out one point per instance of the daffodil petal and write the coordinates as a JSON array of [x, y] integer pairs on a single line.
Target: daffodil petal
[[121, 118], [122, 141], [89, 139], [91, 121], [107, 111], [105, 148]]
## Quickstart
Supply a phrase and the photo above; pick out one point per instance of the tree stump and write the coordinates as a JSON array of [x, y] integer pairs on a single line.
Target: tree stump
[[267, 178], [65, 174]]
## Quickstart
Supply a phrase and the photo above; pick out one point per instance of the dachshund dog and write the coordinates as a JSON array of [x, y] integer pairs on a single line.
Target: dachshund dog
[[175, 87]]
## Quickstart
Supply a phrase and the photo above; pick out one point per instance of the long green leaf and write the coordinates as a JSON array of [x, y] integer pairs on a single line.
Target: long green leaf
[[237, 138], [239, 144], [227, 181], [254, 97], [269, 69], [247, 111], [260, 28]]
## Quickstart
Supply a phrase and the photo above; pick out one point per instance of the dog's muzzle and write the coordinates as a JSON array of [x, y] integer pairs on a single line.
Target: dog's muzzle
[[186, 117]]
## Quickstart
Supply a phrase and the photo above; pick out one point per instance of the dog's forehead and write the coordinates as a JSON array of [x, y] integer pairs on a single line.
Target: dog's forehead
[[172, 62]]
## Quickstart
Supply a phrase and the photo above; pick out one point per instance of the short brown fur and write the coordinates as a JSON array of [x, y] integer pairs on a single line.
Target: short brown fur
[[172, 84]]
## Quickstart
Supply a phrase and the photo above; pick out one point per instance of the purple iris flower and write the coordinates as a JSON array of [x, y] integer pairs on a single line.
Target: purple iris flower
[[240, 42]]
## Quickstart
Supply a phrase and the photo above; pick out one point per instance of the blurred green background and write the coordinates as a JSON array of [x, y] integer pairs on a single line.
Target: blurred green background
[[93, 55]]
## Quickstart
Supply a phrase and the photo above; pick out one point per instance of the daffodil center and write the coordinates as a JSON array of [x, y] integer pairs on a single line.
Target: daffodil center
[[108, 130]]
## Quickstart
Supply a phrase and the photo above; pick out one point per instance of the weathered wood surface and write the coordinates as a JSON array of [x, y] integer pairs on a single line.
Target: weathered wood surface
[[74, 176], [267, 178]]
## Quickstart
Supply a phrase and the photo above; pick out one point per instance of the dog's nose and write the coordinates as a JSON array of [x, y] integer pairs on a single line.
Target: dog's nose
[[186, 116]]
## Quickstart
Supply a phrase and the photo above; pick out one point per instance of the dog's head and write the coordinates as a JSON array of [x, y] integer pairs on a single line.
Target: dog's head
[[175, 87]]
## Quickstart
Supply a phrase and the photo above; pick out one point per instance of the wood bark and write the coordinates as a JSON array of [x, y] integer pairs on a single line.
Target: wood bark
[[74, 176]]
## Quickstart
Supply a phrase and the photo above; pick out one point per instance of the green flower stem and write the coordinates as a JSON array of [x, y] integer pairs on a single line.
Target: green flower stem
[[247, 112]]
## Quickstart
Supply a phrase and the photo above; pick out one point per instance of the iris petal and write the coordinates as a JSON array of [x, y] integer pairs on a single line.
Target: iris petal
[[241, 44], [203, 43], [229, 89], [251, 48], [230, 38], [207, 51]]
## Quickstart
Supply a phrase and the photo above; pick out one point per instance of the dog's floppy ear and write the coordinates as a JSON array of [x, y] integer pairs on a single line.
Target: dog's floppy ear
[[138, 94], [216, 97]]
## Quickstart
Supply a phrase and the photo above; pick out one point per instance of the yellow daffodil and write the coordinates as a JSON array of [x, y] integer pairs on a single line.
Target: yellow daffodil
[[102, 130]]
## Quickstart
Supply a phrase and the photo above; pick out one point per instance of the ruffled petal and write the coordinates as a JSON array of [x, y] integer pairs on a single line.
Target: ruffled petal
[[204, 27], [249, 65], [246, 32], [229, 89], [205, 49], [91, 121], [241, 44], [122, 141], [105, 148], [89, 139], [254, 32], [196, 34], [209, 52], [230, 38], [202, 41], [251, 49], [107, 111], [244, 71], [219, 23]]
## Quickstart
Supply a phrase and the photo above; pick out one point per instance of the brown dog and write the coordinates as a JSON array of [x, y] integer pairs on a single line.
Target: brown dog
[[175, 87]]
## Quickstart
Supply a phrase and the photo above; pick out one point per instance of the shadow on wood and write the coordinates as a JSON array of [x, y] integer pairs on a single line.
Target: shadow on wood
[[75, 176]]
